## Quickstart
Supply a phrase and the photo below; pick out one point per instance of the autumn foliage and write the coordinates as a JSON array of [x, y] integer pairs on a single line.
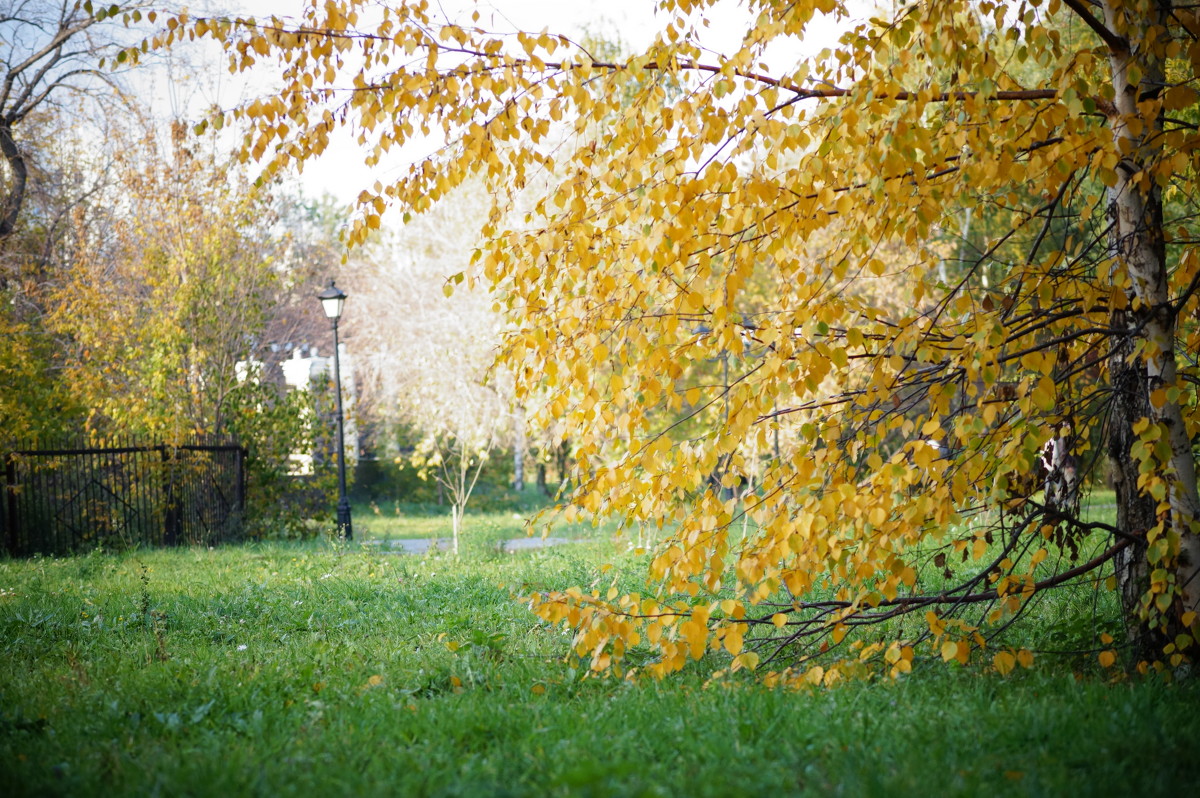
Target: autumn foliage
[[821, 319]]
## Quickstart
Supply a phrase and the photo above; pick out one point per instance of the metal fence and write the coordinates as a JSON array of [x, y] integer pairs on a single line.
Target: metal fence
[[119, 494]]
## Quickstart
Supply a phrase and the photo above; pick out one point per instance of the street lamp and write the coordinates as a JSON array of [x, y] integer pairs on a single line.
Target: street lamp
[[332, 300]]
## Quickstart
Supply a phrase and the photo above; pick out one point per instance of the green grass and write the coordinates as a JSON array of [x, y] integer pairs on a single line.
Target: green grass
[[491, 508], [480, 530], [321, 669]]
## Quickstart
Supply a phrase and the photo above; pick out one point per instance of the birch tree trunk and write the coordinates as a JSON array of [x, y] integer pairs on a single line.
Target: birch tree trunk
[[455, 523], [1143, 361]]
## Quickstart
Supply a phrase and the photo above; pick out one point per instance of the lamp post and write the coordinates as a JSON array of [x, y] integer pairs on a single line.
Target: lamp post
[[332, 300]]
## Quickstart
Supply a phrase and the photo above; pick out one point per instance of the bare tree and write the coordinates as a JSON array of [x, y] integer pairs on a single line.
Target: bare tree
[[426, 350], [48, 51]]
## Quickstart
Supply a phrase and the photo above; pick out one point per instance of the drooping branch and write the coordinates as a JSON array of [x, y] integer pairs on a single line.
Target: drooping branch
[[710, 208]]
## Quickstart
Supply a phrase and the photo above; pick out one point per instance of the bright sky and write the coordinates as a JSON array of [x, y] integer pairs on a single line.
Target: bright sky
[[341, 172]]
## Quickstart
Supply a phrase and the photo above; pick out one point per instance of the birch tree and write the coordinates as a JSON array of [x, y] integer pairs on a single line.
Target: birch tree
[[679, 175]]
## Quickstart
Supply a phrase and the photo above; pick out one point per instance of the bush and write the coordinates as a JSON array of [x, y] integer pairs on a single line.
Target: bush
[[272, 425]]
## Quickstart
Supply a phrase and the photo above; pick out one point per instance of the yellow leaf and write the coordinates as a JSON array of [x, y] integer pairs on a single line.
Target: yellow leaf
[[949, 650], [733, 640], [1045, 394], [1107, 658], [1025, 657], [1004, 662], [695, 634], [779, 619]]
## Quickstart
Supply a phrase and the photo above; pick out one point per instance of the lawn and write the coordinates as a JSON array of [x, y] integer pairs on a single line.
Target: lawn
[[339, 669]]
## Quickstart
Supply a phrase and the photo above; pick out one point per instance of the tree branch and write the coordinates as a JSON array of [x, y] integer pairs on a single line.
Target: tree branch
[[1118, 44]]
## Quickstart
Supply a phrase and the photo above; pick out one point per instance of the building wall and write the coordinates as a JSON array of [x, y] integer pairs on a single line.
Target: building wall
[[300, 372]]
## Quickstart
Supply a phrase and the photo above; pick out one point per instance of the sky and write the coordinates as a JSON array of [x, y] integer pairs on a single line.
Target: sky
[[341, 172]]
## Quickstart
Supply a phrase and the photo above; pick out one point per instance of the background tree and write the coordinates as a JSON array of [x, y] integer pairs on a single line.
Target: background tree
[[49, 53], [428, 351], [677, 175], [169, 289], [141, 275], [51, 87], [180, 279]]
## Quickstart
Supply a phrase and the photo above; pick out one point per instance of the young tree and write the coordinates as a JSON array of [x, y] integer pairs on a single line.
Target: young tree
[[427, 351], [677, 177]]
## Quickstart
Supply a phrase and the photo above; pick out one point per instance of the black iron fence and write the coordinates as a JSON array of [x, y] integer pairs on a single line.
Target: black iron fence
[[119, 494]]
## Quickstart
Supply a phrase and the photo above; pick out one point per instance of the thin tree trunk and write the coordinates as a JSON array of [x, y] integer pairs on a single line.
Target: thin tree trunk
[[519, 449], [562, 454]]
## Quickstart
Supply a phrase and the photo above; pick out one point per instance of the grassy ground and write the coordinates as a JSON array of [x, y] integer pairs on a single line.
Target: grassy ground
[[319, 669], [373, 521]]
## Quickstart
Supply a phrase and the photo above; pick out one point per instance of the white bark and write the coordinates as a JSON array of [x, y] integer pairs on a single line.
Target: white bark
[[455, 522], [1140, 252], [518, 448]]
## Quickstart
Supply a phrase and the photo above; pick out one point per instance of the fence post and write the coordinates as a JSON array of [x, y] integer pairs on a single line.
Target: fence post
[[13, 520], [241, 481]]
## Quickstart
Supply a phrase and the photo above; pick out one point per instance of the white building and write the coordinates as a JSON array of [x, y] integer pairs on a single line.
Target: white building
[[299, 373]]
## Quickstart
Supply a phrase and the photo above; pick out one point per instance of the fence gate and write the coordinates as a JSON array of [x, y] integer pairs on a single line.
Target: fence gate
[[61, 500]]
